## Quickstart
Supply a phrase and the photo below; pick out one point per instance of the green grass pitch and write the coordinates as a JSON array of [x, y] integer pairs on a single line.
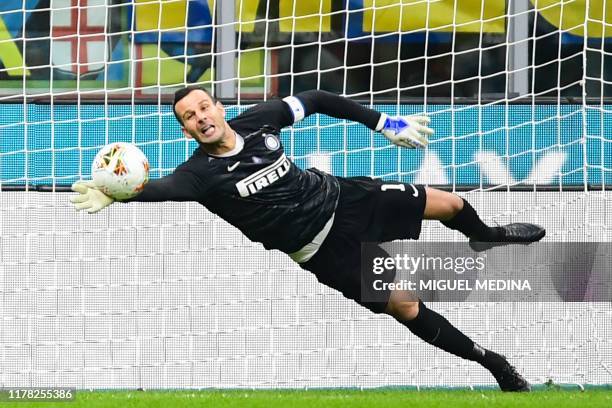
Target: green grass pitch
[[596, 397]]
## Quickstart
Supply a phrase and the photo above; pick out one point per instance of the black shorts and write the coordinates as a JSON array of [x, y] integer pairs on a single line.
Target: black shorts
[[369, 210]]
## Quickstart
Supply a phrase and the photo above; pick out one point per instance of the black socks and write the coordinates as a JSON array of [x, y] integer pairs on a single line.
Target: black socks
[[469, 224], [437, 331]]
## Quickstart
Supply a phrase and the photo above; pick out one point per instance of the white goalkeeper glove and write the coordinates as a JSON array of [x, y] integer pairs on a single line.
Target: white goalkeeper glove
[[89, 198], [405, 131]]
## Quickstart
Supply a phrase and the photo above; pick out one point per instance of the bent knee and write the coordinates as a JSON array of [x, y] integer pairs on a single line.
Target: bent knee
[[452, 204], [403, 310], [456, 204], [442, 205]]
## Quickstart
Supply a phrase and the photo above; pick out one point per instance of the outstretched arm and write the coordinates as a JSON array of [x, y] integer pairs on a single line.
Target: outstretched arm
[[405, 131], [315, 101], [178, 186]]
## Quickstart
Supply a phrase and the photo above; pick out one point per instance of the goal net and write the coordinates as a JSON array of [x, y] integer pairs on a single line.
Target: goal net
[[168, 295]]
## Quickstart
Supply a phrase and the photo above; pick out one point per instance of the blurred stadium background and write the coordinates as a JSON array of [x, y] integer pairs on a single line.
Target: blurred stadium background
[[169, 296]]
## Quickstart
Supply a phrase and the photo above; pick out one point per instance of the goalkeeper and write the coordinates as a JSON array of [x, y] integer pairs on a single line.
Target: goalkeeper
[[241, 173]]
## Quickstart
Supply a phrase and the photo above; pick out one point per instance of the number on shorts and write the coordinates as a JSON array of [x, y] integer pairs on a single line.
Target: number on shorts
[[385, 187]]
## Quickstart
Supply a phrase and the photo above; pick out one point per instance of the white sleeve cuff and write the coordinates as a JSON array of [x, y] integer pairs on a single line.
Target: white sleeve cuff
[[381, 122], [296, 108]]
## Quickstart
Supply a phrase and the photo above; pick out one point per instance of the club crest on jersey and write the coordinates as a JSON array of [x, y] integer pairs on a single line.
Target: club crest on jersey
[[264, 177], [271, 141]]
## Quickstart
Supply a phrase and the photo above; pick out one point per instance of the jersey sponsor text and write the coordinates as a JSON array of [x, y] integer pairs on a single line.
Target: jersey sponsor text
[[264, 177]]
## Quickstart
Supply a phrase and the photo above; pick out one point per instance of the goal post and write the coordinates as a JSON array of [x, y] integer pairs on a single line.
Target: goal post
[[168, 295]]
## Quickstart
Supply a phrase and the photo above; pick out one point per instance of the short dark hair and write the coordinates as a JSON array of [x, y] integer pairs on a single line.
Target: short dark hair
[[183, 92]]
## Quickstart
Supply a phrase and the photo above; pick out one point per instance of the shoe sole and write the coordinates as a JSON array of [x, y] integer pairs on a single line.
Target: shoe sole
[[478, 246], [526, 388]]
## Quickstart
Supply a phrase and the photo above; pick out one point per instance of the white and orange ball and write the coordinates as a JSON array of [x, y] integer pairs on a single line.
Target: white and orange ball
[[120, 170]]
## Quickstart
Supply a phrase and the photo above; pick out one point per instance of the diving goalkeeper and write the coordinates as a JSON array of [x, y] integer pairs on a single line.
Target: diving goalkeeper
[[241, 173]]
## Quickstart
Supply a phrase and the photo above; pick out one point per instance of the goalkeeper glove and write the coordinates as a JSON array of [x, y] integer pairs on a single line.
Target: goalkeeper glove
[[89, 198], [405, 131]]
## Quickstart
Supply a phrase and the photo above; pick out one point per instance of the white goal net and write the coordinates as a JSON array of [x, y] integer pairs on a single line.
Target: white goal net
[[168, 295]]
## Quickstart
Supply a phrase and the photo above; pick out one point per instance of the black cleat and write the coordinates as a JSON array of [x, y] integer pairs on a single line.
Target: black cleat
[[517, 233], [507, 377]]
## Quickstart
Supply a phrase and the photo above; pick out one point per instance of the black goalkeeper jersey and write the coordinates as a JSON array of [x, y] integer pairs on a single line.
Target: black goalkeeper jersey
[[259, 190]]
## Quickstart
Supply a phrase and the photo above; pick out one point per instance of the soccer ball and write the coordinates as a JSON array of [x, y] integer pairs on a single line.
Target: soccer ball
[[120, 170]]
